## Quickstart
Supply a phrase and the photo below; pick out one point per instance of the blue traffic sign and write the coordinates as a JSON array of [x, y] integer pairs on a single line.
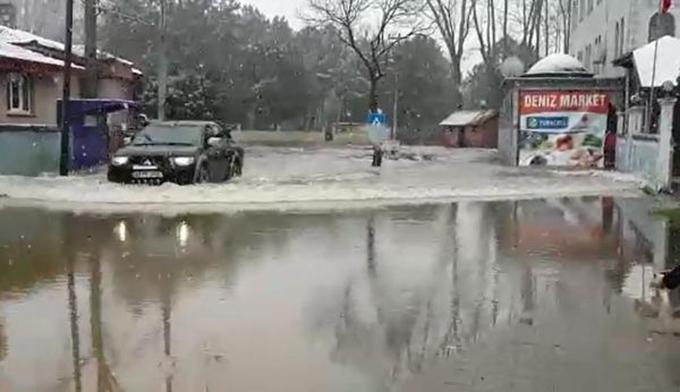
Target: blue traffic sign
[[376, 119]]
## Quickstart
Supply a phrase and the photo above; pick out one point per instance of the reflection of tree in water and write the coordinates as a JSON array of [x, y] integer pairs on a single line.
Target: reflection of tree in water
[[106, 380], [406, 334], [73, 322]]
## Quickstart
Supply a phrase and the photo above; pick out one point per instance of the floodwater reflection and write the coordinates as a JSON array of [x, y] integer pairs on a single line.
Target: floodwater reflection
[[360, 300]]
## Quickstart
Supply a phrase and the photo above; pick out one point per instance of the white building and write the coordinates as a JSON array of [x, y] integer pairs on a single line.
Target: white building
[[603, 30]]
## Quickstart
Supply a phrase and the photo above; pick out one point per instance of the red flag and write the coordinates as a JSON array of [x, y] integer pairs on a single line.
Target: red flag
[[665, 6]]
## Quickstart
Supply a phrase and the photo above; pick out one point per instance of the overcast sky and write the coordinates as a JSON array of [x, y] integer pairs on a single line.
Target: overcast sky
[[292, 9], [288, 8]]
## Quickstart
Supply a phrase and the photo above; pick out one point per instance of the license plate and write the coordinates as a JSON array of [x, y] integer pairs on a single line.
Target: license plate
[[147, 174], [144, 167]]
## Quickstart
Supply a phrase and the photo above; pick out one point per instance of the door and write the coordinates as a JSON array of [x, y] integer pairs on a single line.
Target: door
[[89, 142]]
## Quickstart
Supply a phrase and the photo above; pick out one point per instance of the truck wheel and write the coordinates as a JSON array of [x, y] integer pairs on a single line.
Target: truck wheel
[[238, 168], [234, 169], [203, 175]]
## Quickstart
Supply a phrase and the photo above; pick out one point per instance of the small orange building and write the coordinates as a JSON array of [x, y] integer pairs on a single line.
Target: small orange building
[[470, 128]]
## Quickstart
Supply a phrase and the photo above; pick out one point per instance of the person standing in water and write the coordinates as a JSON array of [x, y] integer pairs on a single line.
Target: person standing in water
[[377, 155]]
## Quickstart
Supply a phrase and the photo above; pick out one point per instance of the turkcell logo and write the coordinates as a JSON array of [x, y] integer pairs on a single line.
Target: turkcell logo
[[547, 122]]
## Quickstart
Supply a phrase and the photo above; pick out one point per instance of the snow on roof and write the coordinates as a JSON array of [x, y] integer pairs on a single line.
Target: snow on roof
[[14, 52], [556, 64], [14, 36], [667, 64], [20, 37], [463, 118], [79, 50]]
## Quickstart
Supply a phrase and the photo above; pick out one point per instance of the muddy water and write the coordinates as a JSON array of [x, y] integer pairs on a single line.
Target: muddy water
[[535, 295]]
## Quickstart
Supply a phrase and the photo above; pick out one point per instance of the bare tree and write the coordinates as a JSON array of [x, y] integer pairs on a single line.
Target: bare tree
[[396, 22], [565, 15], [485, 27], [452, 18]]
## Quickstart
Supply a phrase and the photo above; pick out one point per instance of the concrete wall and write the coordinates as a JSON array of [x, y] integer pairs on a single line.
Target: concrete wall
[[648, 156], [115, 88], [28, 151], [638, 156], [508, 122], [634, 213], [47, 90]]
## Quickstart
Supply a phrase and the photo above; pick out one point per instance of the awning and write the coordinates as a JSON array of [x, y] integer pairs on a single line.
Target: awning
[[98, 105], [667, 63]]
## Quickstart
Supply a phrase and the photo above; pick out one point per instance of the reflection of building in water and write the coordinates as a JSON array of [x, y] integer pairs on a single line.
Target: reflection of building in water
[[570, 229], [649, 244], [3, 342]]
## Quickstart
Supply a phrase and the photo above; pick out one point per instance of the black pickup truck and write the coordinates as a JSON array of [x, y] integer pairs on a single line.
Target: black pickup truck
[[183, 152]]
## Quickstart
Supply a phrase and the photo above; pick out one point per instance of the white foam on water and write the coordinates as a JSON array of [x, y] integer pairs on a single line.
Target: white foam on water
[[281, 178]]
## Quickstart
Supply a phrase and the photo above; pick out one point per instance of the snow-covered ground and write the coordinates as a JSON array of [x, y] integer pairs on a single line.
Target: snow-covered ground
[[282, 178]]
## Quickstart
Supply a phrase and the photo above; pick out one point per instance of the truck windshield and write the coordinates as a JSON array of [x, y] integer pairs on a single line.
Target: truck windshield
[[169, 135]]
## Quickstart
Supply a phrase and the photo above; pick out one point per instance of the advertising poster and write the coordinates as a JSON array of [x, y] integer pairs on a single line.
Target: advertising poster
[[562, 128]]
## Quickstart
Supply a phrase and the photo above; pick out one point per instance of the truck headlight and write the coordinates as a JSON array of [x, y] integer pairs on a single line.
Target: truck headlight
[[120, 161], [183, 161]]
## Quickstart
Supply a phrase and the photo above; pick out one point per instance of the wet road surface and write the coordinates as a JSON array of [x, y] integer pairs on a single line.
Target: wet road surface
[[544, 295], [276, 178]]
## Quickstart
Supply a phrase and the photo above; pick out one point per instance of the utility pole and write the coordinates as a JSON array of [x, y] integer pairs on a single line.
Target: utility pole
[[65, 156], [91, 80], [162, 63], [395, 110]]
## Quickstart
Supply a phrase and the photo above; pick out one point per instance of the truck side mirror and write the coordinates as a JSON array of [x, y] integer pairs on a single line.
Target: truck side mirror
[[214, 141]]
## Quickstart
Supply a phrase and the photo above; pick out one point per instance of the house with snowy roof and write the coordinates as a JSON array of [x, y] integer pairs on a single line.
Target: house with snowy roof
[[31, 76], [470, 128]]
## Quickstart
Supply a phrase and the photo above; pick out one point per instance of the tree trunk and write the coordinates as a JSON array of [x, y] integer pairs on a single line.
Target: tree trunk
[[373, 95], [457, 76], [91, 80], [547, 28], [539, 16], [567, 28], [506, 47]]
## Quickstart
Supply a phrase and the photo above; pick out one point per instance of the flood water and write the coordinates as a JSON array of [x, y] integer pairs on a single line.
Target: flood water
[[529, 295]]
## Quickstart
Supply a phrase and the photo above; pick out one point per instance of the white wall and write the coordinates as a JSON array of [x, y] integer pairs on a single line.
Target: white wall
[[601, 22]]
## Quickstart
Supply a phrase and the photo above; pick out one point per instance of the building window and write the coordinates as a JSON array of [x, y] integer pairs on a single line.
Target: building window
[[580, 56], [582, 9], [598, 56], [19, 94], [616, 41], [622, 38], [661, 25], [590, 6], [588, 60]]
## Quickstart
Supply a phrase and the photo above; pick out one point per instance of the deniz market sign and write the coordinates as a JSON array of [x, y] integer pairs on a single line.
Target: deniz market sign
[[562, 128], [563, 111]]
